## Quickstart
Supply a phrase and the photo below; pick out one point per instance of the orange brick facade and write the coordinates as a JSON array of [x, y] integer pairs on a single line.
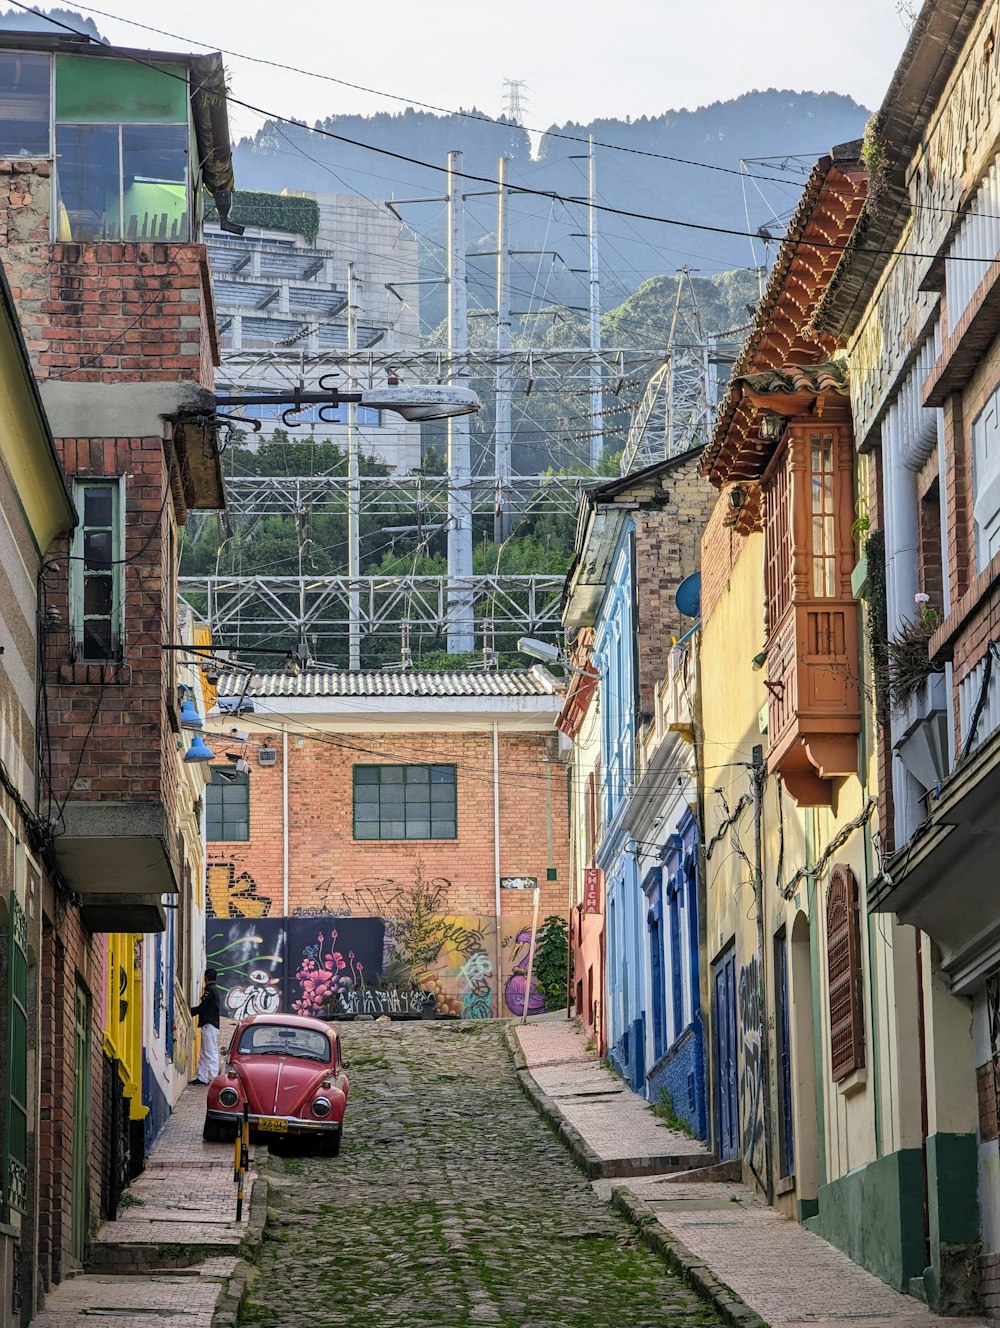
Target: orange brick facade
[[331, 874]]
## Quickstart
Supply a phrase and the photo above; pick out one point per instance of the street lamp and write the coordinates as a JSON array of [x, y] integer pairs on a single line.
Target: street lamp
[[414, 402]]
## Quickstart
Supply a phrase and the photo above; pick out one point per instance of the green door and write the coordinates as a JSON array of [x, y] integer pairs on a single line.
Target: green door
[[81, 1121]]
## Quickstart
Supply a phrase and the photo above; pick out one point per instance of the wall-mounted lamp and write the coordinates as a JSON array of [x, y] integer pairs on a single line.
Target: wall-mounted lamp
[[189, 717], [737, 497], [198, 751], [759, 660], [772, 427]]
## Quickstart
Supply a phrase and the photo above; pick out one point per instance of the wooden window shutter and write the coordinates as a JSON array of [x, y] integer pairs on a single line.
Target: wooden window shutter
[[591, 831], [843, 945]]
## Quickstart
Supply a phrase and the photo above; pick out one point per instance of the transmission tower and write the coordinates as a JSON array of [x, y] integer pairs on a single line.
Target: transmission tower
[[513, 99], [676, 411]]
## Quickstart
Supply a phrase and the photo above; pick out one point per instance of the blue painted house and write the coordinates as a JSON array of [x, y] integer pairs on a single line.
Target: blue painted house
[[638, 537]]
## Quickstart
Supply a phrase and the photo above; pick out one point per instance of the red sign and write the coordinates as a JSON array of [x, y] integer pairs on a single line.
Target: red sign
[[592, 890]]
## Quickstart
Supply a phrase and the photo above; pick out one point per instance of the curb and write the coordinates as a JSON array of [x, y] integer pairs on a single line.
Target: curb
[[682, 1261], [227, 1308], [678, 1258]]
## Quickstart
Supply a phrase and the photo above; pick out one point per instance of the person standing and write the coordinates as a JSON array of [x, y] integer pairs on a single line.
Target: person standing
[[207, 1010]]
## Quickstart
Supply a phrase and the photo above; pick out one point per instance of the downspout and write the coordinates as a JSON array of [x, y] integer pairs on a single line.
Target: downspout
[[284, 822], [758, 776], [496, 858], [924, 1121]]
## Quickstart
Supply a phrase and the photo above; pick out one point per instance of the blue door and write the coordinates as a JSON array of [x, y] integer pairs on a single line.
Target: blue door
[[727, 1107]]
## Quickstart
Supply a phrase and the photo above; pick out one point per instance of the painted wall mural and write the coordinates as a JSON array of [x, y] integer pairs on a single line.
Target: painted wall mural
[[386, 947], [752, 1086]]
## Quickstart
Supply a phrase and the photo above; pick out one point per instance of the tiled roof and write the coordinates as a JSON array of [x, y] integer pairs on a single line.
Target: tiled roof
[[395, 683], [830, 376]]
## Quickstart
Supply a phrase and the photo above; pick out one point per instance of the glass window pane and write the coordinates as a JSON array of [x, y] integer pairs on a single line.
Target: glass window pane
[[417, 797], [237, 830], [392, 795], [110, 90], [154, 166], [97, 595], [366, 774], [89, 188], [98, 505], [97, 638], [442, 774], [393, 830], [364, 811], [24, 104], [392, 774], [96, 549], [366, 831], [417, 774], [442, 829], [418, 829], [440, 794]]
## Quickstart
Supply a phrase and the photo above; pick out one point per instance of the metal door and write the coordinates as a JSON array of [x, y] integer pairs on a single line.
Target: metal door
[[81, 1122], [727, 1109]]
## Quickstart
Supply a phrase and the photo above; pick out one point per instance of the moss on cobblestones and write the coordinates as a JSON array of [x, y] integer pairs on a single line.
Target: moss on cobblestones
[[451, 1204]]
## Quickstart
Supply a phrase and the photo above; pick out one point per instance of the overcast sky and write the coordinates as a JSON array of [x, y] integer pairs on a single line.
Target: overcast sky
[[579, 58]]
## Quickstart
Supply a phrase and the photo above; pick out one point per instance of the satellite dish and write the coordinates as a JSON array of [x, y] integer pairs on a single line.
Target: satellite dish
[[687, 596]]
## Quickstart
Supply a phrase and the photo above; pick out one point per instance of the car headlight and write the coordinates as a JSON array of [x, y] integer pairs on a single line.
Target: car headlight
[[228, 1097], [321, 1107]]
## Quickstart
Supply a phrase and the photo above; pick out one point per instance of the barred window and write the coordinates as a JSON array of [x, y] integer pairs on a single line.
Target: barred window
[[405, 802]]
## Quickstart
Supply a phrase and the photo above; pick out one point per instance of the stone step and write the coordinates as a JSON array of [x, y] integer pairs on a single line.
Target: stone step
[[676, 1165], [731, 1171]]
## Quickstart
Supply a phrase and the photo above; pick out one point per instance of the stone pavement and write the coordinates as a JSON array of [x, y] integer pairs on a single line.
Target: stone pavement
[[451, 1205], [175, 1251], [783, 1272]]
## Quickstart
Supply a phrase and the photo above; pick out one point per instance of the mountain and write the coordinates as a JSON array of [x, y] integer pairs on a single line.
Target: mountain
[[779, 134]]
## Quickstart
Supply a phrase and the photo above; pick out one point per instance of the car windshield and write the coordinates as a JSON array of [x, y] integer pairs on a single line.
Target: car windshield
[[274, 1040]]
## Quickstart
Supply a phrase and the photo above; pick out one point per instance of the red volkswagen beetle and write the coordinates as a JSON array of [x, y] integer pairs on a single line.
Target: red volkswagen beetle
[[289, 1070]]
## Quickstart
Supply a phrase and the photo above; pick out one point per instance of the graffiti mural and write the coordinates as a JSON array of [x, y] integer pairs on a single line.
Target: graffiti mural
[[752, 1085], [232, 896], [378, 945]]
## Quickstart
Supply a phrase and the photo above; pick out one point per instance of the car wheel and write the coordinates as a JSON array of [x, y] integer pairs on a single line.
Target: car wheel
[[329, 1144], [217, 1132]]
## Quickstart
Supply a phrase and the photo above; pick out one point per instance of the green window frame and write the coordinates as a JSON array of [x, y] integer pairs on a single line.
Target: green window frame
[[15, 1139], [227, 806], [405, 802], [97, 564]]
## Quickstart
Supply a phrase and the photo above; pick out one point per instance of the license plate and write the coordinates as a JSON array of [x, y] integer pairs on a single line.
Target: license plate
[[275, 1124]]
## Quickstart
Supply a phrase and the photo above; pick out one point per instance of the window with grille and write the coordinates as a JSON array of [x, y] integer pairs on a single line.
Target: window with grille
[[843, 942], [405, 802], [97, 561], [227, 806]]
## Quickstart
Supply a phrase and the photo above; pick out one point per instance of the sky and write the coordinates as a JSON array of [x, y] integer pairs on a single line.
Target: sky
[[580, 59]]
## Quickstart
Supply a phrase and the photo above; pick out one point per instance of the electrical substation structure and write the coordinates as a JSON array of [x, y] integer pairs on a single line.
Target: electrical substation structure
[[668, 399]]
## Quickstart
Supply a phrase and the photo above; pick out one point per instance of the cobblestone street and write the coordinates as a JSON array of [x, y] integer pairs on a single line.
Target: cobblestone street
[[451, 1204]]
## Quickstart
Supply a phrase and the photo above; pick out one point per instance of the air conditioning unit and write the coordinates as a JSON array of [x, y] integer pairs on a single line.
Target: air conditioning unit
[[268, 756]]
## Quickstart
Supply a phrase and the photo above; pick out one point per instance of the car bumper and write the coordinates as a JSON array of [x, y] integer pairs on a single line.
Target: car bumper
[[295, 1124]]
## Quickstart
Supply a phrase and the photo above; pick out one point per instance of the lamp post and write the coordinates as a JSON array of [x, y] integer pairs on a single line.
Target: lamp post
[[414, 402]]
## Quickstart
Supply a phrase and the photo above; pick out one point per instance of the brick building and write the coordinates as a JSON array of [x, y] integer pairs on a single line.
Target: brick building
[[106, 157], [397, 820]]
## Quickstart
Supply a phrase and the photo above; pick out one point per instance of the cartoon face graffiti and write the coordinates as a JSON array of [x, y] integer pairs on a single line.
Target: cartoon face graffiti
[[259, 996]]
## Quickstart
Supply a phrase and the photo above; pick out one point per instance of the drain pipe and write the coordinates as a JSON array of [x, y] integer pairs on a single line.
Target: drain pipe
[[496, 857], [284, 822]]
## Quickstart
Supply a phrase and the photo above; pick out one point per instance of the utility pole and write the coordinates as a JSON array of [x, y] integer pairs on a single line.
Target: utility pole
[[461, 625], [596, 402], [353, 489], [502, 432]]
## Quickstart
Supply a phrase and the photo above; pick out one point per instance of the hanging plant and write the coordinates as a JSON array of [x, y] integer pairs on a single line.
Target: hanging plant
[[908, 658]]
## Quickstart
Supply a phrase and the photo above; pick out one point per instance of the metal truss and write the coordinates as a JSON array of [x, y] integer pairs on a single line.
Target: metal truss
[[274, 495], [534, 369], [274, 611]]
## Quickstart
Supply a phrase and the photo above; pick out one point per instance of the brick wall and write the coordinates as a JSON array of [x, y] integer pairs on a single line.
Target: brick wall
[[667, 549], [329, 871]]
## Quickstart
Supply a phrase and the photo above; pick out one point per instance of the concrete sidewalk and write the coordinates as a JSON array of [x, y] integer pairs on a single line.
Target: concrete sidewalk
[[176, 1250], [720, 1233]]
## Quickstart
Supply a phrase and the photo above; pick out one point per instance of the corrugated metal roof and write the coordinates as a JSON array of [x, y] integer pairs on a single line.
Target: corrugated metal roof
[[398, 683]]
